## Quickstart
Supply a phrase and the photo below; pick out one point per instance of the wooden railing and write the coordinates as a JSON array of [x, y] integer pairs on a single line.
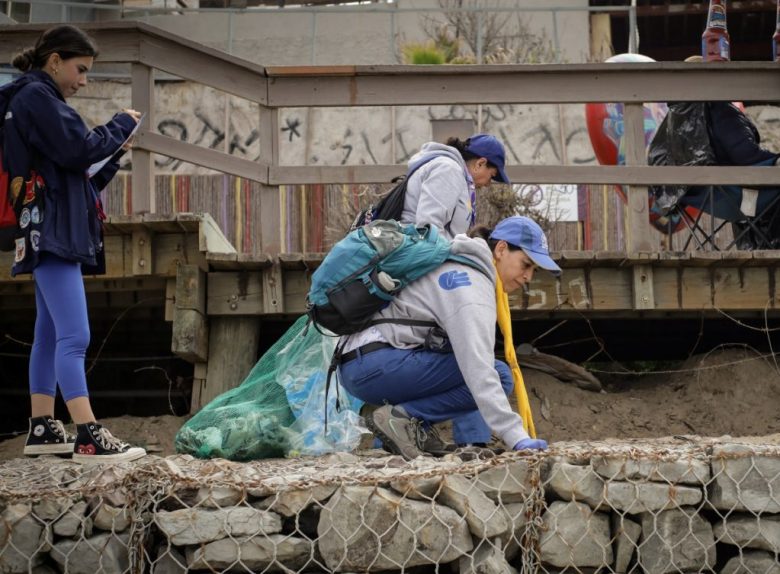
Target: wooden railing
[[148, 49]]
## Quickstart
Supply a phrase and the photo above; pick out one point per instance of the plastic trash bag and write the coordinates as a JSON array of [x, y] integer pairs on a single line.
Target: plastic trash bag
[[682, 139], [279, 409]]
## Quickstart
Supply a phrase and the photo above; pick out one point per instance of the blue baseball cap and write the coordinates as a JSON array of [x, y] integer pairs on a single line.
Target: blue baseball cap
[[487, 146], [526, 234]]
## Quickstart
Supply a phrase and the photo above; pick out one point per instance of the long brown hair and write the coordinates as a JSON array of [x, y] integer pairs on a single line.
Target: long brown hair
[[67, 41]]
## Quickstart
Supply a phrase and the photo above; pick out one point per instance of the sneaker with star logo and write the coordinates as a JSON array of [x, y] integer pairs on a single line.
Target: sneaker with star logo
[[47, 435]]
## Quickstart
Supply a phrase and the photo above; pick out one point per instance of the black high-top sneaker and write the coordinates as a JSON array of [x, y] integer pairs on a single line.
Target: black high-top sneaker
[[47, 435], [95, 445]]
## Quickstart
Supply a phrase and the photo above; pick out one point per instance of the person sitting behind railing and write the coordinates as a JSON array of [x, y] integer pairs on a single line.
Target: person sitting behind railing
[[736, 141]]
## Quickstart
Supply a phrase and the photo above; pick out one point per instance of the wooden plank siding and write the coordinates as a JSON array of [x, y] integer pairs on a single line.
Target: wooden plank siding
[[312, 217]]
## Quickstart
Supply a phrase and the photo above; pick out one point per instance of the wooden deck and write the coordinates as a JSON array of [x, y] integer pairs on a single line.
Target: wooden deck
[[217, 299]]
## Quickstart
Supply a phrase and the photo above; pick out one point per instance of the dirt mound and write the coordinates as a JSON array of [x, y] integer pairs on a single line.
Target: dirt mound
[[727, 392]]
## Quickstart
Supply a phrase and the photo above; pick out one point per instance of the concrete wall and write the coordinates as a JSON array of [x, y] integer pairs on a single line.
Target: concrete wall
[[533, 134], [542, 134], [358, 35]]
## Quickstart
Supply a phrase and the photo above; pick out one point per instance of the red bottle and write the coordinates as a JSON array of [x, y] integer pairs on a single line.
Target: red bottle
[[776, 37], [715, 40]]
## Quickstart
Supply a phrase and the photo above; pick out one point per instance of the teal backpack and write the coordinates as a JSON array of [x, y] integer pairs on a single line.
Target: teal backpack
[[368, 268]]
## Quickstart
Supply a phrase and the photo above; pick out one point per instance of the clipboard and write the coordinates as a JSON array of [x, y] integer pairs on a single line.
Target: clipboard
[[97, 166]]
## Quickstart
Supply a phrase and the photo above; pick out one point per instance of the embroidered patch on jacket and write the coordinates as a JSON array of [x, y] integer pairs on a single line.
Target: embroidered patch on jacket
[[16, 187], [35, 239], [29, 193], [24, 218], [450, 280], [21, 249]]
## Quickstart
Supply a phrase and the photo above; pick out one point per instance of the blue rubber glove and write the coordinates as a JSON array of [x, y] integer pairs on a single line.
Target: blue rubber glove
[[531, 444]]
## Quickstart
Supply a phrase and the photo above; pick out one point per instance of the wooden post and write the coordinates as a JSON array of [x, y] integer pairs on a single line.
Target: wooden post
[[190, 338], [199, 374], [142, 252], [142, 99], [270, 225], [273, 290], [233, 344], [638, 232]]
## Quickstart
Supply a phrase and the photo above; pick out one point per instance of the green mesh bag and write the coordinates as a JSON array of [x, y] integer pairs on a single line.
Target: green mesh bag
[[279, 409]]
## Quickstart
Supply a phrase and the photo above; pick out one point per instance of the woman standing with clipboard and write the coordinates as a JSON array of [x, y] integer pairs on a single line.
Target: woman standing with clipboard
[[47, 152]]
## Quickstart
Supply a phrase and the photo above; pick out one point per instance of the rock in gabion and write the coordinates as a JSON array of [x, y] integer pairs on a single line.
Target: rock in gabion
[[548, 512], [575, 536], [275, 552], [196, 526], [372, 529], [752, 562], [748, 531], [744, 479], [676, 540], [21, 539], [107, 553]]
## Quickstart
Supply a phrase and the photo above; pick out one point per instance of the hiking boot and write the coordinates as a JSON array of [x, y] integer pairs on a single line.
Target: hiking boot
[[398, 431], [429, 440], [95, 445], [47, 435]]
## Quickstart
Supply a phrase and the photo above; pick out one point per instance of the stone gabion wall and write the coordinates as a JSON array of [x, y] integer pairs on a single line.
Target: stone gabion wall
[[649, 506]]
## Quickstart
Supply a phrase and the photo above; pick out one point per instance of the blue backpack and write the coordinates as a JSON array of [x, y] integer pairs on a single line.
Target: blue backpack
[[368, 268]]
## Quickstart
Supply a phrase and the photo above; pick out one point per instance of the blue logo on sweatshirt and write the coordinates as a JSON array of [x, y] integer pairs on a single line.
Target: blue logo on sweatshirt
[[454, 279]]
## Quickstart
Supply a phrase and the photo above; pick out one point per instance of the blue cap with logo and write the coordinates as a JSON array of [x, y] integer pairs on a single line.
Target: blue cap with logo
[[487, 146], [525, 233]]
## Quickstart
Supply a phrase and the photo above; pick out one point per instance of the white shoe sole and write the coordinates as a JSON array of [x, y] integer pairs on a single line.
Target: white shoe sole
[[39, 449], [133, 453]]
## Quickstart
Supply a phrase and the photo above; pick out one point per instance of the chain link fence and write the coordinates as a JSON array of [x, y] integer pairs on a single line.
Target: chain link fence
[[663, 506]]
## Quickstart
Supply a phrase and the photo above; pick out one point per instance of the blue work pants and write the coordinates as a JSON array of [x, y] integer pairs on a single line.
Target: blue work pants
[[428, 385]]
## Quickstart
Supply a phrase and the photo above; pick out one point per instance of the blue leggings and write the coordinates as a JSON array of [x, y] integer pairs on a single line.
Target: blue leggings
[[61, 329]]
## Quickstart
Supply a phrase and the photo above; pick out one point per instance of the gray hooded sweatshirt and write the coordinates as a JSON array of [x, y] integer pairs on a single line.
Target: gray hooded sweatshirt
[[462, 301], [438, 192]]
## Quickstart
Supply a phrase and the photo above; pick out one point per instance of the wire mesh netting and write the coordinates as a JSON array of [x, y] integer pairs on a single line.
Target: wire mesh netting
[[655, 506]]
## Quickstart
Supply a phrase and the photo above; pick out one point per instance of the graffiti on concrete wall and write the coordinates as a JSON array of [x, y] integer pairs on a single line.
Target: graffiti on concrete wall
[[533, 134]]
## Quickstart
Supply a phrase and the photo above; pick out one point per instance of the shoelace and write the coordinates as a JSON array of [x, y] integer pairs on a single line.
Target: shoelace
[[109, 441], [418, 433], [425, 434], [59, 428]]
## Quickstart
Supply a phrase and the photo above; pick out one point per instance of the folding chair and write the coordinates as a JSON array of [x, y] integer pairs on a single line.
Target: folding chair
[[759, 231]]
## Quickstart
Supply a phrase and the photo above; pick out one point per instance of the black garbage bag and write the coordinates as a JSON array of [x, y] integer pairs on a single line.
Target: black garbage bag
[[682, 139]]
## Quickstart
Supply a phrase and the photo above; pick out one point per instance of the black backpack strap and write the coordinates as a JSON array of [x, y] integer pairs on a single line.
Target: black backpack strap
[[407, 322], [390, 202], [335, 361]]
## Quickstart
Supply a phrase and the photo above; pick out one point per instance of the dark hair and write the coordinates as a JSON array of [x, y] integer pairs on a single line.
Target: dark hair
[[67, 41], [462, 147], [483, 232]]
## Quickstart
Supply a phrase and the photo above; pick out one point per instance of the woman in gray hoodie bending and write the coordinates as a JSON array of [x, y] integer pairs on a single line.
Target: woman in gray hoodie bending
[[443, 180], [425, 375]]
